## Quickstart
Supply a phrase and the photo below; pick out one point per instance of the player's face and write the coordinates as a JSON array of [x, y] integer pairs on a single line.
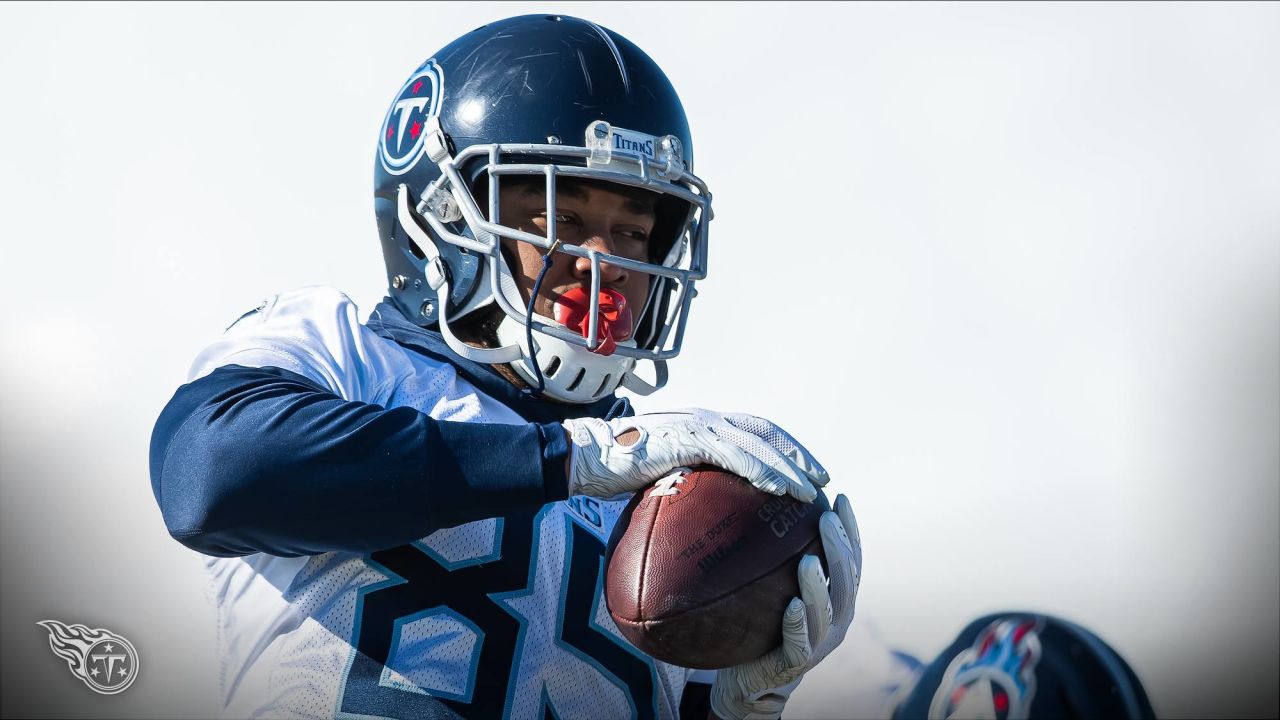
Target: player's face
[[587, 215]]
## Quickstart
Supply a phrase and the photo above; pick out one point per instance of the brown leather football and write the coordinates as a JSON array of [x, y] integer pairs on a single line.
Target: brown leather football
[[698, 573]]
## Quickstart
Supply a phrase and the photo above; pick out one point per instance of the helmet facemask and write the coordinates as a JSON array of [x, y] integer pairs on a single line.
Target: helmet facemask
[[446, 222]]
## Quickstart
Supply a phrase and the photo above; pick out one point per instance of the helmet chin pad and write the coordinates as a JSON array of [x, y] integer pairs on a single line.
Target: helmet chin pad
[[570, 373]]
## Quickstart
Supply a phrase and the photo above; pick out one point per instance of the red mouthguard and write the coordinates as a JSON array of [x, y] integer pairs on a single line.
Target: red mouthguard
[[573, 310]]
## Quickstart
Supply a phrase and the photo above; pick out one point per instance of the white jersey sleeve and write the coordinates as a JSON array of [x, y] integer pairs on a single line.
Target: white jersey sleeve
[[314, 332]]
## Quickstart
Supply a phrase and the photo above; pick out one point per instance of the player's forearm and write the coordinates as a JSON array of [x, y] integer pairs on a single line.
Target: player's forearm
[[262, 460]]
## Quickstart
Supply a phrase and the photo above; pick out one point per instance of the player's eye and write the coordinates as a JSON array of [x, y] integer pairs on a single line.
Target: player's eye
[[561, 218], [632, 234], [565, 225]]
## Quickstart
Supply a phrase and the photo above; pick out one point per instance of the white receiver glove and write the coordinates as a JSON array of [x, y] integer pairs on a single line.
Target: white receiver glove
[[812, 626], [747, 446]]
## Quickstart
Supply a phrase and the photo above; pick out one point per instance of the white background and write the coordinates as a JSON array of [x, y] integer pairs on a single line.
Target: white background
[[1011, 271]]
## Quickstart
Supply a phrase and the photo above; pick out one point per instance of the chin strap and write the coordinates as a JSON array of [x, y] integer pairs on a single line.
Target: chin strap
[[528, 323], [632, 382], [438, 280]]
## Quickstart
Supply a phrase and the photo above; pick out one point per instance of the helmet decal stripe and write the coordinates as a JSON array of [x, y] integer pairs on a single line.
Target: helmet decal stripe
[[617, 56]]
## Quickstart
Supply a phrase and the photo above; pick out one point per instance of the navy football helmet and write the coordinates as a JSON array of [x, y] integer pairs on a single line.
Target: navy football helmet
[[552, 97], [1017, 665]]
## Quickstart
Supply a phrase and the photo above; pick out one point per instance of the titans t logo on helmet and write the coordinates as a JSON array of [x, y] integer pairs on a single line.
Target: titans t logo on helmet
[[995, 678], [404, 129]]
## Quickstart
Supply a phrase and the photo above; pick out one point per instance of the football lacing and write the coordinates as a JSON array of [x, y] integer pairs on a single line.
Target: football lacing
[[667, 485]]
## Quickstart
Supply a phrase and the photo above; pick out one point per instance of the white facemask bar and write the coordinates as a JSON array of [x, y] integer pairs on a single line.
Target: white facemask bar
[[439, 204]]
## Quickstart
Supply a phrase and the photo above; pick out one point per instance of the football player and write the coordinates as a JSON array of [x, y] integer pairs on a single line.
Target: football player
[[406, 516]]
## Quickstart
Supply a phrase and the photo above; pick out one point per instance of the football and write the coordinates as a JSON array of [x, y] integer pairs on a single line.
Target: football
[[701, 565]]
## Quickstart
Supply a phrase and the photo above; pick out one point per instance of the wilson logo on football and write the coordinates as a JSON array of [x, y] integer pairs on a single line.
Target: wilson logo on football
[[103, 660]]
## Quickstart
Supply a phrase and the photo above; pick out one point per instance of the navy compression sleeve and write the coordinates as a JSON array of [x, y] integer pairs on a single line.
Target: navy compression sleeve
[[250, 460]]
